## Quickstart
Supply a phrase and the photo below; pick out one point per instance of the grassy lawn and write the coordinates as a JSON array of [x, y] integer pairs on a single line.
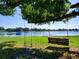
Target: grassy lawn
[[37, 41]]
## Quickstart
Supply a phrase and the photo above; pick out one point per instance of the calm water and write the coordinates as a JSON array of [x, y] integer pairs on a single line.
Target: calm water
[[40, 33]]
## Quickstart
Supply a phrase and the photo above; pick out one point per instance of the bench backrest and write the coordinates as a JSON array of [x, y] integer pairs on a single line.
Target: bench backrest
[[61, 41]]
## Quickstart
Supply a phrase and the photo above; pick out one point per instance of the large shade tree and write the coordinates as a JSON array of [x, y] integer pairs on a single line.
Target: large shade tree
[[40, 11]]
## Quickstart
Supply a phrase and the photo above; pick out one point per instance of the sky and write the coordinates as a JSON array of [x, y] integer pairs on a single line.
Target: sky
[[17, 21]]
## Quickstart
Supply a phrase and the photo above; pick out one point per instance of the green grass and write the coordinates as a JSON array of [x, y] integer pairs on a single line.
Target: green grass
[[74, 41], [38, 41]]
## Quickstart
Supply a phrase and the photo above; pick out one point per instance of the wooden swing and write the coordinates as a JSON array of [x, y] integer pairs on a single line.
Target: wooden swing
[[60, 41]]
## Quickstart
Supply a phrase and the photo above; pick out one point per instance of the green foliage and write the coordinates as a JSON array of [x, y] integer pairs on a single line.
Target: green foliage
[[42, 11], [36, 11], [5, 9]]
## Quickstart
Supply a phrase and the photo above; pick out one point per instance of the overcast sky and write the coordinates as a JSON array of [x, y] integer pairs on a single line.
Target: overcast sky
[[17, 21]]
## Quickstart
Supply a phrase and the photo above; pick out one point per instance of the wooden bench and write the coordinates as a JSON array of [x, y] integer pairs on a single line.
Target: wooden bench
[[61, 41]]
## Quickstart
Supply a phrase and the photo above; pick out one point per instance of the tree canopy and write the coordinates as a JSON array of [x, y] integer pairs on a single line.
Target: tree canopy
[[40, 11]]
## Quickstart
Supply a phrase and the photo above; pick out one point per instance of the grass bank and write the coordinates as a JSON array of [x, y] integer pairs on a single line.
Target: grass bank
[[37, 41]]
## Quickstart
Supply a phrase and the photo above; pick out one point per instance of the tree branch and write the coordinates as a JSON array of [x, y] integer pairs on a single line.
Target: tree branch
[[75, 5], [70, 15]]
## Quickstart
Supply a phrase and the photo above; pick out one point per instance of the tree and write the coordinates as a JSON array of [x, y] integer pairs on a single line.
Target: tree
[[2, 29], [40, 11]]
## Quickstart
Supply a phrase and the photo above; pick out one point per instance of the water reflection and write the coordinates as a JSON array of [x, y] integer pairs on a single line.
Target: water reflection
[[2, 33], [40, 33]]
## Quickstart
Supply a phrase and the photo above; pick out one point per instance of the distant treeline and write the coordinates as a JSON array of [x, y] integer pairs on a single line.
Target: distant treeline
[[19, 29]]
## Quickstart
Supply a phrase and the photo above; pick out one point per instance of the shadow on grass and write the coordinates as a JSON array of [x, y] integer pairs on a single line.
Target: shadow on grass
[[58, 49], [7, 44], [4, 52], [25, 53]]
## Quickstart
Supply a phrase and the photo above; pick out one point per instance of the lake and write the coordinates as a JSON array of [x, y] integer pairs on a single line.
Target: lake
[[40, 33]]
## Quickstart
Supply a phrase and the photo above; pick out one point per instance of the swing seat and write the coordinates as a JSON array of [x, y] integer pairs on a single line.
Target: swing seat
[[61, 41]]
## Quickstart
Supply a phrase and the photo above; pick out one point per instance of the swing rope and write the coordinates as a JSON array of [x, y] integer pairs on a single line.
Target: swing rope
[[67, 30], [31, 36], [24, 36], [49, 30]]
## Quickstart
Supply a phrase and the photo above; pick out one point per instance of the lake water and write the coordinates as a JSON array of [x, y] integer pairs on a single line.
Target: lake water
[[40, 33]]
